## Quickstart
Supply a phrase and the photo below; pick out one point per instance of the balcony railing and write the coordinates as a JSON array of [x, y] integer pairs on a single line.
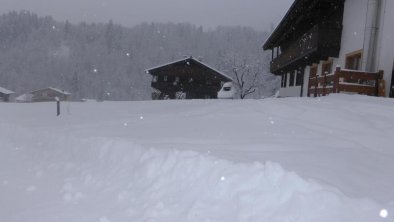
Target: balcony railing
[[319, 43], [350, 81]]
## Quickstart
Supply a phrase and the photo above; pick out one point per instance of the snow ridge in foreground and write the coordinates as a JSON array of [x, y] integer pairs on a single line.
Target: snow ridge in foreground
[[106, 180]]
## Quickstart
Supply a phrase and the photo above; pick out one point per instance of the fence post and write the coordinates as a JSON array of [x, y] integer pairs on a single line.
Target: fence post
[[316, 83], [57, 106], [379, 76], [336, 80], [324, 83]]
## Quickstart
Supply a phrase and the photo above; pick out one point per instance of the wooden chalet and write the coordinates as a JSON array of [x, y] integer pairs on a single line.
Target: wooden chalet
[[309, 33], [187, 78], [325, 46], [49, 94], [6, 95]]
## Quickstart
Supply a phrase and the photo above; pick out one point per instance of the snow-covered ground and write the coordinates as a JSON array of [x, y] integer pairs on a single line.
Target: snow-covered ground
[[294, 159]]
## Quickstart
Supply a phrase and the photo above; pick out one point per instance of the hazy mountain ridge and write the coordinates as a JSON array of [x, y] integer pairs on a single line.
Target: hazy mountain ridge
[[108, 60]]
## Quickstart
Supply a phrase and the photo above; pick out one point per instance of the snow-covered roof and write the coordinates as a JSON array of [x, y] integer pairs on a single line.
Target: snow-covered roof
[[54, 89], [194, 60], [24, 98], [5, 91]]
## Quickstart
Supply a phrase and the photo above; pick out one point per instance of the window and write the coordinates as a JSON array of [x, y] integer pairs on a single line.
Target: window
[[292, 73], [300, 77], [165, 78], [353, 60], [154, 79], [284, 80], [327, 67]]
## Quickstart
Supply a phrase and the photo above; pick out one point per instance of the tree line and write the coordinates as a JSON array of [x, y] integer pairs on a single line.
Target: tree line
[[108, 61]]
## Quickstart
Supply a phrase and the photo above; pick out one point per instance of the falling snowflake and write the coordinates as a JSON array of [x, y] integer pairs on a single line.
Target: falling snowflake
[[272, 121], [222, 178], [141, 117], [383, 213]]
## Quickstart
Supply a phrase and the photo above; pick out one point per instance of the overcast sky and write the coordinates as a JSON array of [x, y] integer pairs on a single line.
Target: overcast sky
[[208, 13]]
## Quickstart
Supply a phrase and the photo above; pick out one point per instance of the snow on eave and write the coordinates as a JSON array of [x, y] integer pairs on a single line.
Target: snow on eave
[[215, 70], [166, 64], [54, 89], [6, 91], [193, 59]]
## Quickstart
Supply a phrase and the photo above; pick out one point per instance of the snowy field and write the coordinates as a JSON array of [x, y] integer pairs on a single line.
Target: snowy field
[[276, 160]]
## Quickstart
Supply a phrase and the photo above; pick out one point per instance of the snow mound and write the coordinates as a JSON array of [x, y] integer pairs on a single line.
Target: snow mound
[[100, 179]]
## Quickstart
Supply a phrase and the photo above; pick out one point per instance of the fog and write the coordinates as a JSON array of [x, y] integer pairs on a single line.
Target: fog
[[208, 13]]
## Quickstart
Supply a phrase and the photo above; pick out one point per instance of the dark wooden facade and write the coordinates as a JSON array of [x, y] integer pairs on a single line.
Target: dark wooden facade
[[310, 32], [189, 77]]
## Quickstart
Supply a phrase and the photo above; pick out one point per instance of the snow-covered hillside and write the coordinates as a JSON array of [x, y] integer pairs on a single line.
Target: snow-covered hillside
[[299, 159]]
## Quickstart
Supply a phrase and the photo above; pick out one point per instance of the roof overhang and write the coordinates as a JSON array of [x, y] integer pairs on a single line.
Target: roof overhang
[[6, 91], [188, 61], [53, 89], [298, 10]]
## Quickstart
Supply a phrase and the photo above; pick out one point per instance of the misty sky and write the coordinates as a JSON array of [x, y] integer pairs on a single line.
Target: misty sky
[[208, 13]]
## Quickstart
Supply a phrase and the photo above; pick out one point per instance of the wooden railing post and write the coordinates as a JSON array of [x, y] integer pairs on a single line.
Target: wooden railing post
[[316, 83], [336, 80], [379, 76], [324, 84], [309, 87]]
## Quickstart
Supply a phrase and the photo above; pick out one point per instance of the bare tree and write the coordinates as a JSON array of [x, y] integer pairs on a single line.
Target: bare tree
[[245, 79]]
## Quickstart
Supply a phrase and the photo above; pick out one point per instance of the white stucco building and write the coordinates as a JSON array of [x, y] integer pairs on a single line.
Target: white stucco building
[[315, 36]]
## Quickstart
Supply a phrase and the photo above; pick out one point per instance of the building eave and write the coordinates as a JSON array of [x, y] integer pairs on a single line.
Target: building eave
[[189, 59]]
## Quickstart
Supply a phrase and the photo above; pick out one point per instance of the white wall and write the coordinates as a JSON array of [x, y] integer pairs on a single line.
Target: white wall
[[294, 91], [386, 42], [354, 20], [290, 91], [306, 80]]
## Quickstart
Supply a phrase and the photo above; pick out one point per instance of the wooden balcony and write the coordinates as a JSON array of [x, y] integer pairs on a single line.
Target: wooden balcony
[[319, 43]]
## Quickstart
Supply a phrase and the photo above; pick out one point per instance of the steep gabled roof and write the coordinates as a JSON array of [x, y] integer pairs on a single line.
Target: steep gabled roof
[[6, 91], [189, 61]]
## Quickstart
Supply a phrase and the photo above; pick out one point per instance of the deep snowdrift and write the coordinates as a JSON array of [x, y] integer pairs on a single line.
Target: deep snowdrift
[[103, 180], [96, 163]]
